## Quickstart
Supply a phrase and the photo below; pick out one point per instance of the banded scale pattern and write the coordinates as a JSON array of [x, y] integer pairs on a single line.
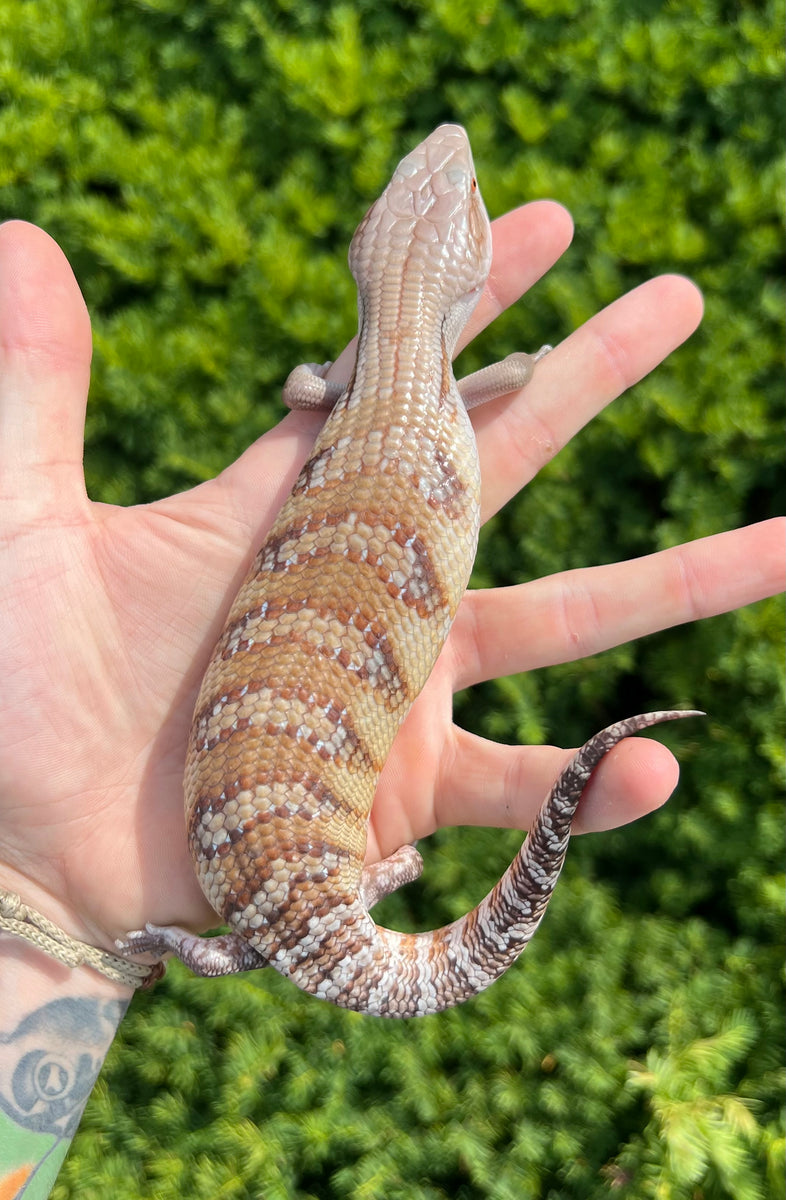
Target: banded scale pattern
[[337, 627], [344, 610]]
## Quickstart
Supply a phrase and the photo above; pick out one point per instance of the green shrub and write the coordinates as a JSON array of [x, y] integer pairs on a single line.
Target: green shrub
[[204, 164]]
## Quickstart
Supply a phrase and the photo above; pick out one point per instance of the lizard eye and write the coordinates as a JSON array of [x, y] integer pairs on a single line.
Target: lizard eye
[[473, 184]]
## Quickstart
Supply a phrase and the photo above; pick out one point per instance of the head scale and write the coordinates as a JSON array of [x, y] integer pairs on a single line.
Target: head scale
[[431, 218]]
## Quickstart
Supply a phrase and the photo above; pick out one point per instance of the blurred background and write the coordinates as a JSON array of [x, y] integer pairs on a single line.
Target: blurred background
[[204, 163]]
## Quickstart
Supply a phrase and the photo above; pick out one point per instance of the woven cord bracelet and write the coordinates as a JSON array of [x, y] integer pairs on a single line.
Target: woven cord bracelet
[[24, 922]]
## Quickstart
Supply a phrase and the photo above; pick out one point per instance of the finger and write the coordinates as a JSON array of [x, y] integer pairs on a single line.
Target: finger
[[504, 786], [527, 242], [579, 613], [607, 355], [44, 371]]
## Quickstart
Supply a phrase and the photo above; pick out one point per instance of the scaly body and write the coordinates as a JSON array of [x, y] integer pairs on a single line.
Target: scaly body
[[337, 627]]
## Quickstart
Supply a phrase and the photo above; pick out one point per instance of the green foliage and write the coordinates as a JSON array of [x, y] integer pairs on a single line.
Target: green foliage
[[618, 1054], [204, 164], [704, 1133]]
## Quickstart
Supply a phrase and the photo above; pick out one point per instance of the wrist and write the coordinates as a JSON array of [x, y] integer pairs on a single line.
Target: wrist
[[30, 977], [24, 923], [56, 1025]]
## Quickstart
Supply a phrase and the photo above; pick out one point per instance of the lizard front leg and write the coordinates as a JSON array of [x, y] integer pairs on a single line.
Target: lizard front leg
[[510, 374], [307, 388]]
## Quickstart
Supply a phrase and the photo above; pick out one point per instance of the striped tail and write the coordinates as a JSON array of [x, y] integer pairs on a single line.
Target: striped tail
[[356, 964], [391, 974]]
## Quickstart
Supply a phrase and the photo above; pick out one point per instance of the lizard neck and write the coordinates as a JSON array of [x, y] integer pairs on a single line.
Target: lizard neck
[[403, 360]]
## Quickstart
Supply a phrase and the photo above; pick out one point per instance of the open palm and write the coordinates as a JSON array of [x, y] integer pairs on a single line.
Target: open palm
[[109, 615]]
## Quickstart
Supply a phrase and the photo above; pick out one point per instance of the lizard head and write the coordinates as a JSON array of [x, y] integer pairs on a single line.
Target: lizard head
[[429, 227]]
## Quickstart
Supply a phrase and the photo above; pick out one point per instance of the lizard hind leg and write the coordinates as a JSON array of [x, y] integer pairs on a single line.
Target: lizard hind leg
[[226, 954], [386, 876], [229, 954]]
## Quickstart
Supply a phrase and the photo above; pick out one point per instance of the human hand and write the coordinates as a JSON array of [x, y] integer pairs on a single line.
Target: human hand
[[109, 614]]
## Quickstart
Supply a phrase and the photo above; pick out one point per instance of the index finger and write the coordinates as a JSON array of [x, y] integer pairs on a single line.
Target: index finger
[[620, 345]]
